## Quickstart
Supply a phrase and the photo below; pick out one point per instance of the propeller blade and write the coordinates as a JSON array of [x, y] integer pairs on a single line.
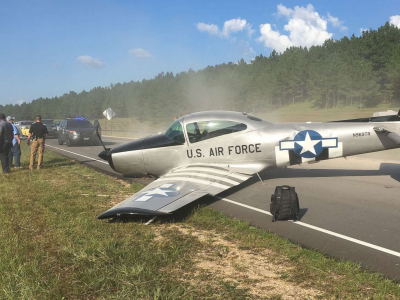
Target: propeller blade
[[101, 141]]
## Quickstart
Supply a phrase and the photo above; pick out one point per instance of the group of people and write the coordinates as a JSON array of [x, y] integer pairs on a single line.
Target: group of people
[[10, 143]]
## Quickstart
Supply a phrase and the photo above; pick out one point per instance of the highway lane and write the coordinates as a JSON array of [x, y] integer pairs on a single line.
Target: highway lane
[[355, 198]]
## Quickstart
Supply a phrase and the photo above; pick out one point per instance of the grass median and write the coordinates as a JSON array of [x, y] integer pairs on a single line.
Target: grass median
[[53, 247]]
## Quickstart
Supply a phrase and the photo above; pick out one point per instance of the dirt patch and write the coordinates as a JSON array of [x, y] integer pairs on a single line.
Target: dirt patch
[[259, 272]]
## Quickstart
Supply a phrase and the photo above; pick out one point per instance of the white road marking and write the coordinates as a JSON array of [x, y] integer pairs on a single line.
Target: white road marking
[[344, 237], [104, 162]]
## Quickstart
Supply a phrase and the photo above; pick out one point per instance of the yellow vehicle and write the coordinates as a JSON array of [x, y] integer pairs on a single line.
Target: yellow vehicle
[[24, 127]]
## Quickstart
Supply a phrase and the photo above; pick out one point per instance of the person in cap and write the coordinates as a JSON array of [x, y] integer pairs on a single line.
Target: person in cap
[[6, 137], [15, 150], [37, 133]]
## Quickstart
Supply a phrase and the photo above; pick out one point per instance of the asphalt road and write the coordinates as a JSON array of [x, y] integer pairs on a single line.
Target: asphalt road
[[350, 207]]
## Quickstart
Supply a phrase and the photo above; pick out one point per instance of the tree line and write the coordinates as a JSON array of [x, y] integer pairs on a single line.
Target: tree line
[[359, 71]]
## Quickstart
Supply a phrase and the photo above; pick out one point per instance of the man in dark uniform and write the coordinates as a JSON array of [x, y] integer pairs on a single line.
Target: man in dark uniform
[[38, 133], [6, 137]]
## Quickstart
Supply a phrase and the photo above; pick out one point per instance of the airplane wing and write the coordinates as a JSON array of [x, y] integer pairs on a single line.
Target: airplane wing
[[176, 189]]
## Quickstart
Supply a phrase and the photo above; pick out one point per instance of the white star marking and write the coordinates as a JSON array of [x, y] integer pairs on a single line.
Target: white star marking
[[159, 191], [308, 144]]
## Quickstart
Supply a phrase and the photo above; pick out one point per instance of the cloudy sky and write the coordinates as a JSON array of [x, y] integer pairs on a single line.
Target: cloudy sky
[[50, 47]]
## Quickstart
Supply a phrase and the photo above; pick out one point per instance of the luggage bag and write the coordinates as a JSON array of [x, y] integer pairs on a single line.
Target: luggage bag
[[284, 204]]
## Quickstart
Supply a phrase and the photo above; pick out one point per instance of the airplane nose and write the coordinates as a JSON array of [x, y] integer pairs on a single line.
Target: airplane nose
[[126, 159], [106, 155], [103, 155]]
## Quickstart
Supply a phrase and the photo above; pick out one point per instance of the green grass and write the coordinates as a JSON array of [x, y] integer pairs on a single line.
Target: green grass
[[53, 247]]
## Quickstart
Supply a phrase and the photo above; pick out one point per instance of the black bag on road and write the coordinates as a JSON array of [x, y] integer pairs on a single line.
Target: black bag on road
[[284, 204]]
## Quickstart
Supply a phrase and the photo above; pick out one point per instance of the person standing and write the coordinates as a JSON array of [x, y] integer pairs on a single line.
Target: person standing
[[38, 133], [15, 150], [6, 137]]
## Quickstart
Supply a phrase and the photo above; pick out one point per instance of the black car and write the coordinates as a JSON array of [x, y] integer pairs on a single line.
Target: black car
[[77, 131], [51, 127]]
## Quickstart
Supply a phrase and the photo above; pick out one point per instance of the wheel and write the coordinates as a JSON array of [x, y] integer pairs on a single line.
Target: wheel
[[60, 142], [69, 144]]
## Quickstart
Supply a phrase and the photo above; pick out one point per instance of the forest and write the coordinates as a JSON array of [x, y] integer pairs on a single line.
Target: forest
[[360, 71]]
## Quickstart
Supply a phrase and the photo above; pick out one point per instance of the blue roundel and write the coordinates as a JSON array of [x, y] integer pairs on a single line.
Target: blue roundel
[[311, 141]]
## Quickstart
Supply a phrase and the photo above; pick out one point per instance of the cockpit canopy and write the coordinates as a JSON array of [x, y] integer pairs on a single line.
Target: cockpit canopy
[[207, 125], [175, 132], [204, 130]]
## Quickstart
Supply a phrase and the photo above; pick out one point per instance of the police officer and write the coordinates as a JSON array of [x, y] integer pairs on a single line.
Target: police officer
[[37, 133]]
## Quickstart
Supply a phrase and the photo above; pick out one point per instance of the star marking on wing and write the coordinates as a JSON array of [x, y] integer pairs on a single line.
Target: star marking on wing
[[308, 144], [158, 191]]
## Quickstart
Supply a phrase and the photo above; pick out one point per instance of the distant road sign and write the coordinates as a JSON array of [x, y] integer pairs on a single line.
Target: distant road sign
[[109, 113]]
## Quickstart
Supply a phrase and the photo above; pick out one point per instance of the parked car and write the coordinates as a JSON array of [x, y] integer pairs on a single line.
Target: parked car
[[75, 131], [24, 127], [51, 127]]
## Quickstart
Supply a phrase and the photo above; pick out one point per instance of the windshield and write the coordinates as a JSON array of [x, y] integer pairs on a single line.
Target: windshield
[[204, 130], [79, 124], [175, 132], [48, 121]]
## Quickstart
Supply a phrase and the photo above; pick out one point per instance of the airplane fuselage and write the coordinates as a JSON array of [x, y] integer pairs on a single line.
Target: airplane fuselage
[[262, 145]]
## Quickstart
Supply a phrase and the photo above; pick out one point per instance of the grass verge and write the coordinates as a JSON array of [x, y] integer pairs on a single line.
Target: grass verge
[[53, 247]]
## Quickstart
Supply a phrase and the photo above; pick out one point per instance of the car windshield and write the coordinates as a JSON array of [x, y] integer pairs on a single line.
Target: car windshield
[[48, 121], [26, 123], [175, 132], [79, 124]]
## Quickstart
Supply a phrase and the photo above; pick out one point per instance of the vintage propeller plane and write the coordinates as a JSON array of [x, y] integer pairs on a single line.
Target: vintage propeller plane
[[207, 153]]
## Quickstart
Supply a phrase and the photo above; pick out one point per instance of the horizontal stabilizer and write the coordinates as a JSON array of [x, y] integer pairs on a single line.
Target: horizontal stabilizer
[[395, 137], [391, 135]]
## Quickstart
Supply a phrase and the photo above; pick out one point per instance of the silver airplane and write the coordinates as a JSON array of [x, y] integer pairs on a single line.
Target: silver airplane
[[207, 153]]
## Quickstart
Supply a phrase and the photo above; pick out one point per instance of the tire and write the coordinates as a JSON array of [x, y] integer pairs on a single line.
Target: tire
[[60, 142], [69, 144]]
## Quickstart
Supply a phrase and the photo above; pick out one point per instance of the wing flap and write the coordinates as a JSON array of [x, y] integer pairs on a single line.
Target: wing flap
[[185, 200]]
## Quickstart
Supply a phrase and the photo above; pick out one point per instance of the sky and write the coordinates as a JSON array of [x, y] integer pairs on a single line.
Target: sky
[[49, 47]]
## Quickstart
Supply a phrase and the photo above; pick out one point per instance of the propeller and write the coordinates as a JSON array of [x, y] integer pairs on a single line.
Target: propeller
[[103, 154]]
